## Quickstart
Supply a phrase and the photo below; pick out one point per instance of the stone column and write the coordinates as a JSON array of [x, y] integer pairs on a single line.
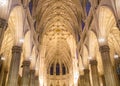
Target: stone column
[[3, 26], [36, 81], [102, 80], [32, 77], [1, 72], [1, 62], [25, 73], [94, 73], [86, 77], [81, 80], [4, 78], [107, 66], [117, 62], [14, 66]]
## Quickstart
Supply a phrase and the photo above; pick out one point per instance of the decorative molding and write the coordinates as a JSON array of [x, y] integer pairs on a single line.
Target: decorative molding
[[104, 48]]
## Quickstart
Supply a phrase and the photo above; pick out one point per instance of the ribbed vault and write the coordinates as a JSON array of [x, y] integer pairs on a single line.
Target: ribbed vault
[[57, 24]]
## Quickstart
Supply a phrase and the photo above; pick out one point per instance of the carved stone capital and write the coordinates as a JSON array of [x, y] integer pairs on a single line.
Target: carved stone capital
[[32, 71], [3, 23], [104, 48], [86, 71], [26, 63], [16, 49], [81, 76], [36, 77], [93, 62]]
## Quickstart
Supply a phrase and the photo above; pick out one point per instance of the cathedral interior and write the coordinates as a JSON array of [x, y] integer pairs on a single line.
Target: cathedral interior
[[59, 42]]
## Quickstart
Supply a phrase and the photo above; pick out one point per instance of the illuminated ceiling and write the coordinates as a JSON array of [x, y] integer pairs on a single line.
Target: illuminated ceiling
[[57, 24]]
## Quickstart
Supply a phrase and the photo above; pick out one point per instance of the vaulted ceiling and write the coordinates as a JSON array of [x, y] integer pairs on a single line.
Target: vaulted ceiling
[[58, 23]]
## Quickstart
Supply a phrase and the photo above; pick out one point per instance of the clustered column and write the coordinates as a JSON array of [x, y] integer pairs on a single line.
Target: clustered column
[[1, 71], [25, 73], [36, 81], [107, 66], [4, 78], [81, 80], [94, 73], [86, 77], [32, 77], [102, 80], [14, 66]]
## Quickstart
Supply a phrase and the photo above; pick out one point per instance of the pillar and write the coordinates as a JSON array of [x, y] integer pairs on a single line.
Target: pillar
[[14, 66], [32, 77], [36, 81], [25, 73], [107, 66], [19, 80], [102, 80], [3, 26], [86, 77], [117, 63], [94, 73], [1, 72], [1, 62], [4, 78], [81, 80]]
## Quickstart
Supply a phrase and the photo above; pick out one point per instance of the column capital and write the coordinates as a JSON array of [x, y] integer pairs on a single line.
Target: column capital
[[32, 71], [36, 77], [93, 62], [86, 71], [3, 23], [104, 48], [81, 76], [16, 49], [26, 63]]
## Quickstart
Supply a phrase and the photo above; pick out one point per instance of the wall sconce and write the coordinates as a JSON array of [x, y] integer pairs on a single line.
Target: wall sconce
[[116, 56], [101, 40], [21, 40], [3, 58]]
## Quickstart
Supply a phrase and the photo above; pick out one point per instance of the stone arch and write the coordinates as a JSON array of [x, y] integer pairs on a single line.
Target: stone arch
[[93, 42], [85, 56], [106, 20], [33, 58], [17, 17], [27, 45]]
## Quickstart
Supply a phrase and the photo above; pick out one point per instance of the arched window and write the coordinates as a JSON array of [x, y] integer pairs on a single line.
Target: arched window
[[51, 69], [57, 69], [88, 6], [63, 69]]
